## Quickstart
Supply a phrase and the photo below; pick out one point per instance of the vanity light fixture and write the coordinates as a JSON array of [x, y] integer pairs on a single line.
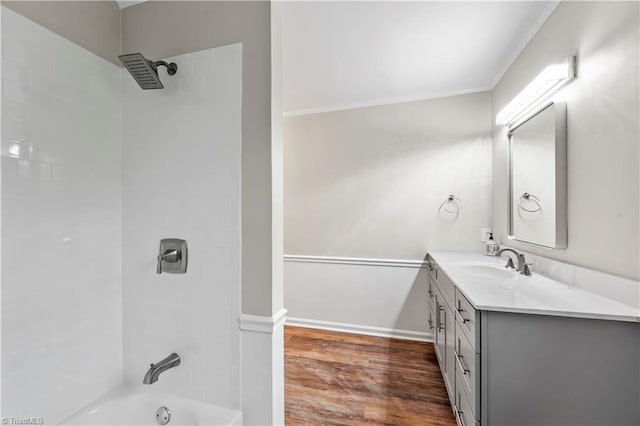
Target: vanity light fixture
[[539, 91]]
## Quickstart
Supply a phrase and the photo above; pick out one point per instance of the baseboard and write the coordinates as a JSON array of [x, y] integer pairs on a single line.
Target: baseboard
[[262, 324], [361, 329]]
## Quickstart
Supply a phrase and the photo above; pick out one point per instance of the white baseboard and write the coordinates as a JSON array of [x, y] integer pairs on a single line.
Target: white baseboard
[[361, 329], [262, 324]]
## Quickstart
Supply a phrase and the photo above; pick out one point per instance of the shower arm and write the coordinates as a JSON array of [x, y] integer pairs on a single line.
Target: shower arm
[[172, 68]]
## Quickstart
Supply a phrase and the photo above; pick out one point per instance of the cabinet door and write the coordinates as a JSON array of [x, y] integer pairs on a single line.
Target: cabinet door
[[431, 308], [431, 319], [449, 349], [440, 327]]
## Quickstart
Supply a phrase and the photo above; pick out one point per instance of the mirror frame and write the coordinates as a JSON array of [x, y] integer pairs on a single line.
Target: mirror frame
[[561, 232]]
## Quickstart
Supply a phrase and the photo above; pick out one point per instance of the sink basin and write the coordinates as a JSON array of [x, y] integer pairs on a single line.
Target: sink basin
[[489, 271]]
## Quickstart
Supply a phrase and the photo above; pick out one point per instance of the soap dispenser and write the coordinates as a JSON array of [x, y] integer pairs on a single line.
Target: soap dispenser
[[492, 247]]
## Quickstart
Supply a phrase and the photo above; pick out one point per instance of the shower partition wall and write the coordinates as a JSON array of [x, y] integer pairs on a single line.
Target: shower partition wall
[[95, 171]]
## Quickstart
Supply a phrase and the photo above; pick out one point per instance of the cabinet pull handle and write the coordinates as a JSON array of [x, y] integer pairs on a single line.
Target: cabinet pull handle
[[464, 320], [460, 311], [440, 309], [459, 412], [465, 370]]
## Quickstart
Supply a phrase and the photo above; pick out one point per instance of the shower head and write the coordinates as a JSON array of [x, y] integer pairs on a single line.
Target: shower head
[[145, 72]]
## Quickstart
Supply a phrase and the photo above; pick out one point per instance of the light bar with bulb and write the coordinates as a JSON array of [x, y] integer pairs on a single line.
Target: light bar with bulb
[[539, 91]]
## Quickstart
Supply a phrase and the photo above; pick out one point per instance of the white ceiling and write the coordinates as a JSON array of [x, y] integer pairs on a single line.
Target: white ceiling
[[345, 54]]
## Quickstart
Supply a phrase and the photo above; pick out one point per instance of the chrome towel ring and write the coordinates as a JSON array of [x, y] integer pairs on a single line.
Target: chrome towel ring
[[533, 199], [453, 202]]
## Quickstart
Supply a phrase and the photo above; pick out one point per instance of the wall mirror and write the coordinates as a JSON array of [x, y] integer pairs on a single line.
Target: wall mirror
[[538, 178]]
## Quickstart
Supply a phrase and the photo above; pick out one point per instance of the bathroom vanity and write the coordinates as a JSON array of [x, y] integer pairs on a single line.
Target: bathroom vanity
[[516, 350]]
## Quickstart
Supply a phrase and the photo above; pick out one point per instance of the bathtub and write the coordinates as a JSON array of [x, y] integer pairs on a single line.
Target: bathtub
[[137, 405]]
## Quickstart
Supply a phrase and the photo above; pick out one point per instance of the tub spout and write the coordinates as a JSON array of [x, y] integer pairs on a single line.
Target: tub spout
[[160, 367]]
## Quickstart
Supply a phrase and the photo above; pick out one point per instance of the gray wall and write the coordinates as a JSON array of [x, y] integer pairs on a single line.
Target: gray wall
[[368, 182], [94, 25], [603, 131], [277, 159], [168, 28]]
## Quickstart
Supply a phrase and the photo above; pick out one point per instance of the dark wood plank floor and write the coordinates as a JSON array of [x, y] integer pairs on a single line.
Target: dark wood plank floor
[[349, 379]]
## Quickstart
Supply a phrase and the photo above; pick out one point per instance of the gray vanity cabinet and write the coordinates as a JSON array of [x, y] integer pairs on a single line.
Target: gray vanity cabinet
[[551, 370], [440, 338], [431, 306], [449, 333], [444, 332], [505, 368], [455, 335], [467, 356], [433, 311], [434, 296]]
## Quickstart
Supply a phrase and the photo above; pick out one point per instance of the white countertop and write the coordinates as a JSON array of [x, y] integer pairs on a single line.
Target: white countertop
[[512, 292]]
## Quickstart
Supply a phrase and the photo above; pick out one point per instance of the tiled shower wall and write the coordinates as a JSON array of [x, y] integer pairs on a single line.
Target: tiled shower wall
[[181, 171], [61, 219]]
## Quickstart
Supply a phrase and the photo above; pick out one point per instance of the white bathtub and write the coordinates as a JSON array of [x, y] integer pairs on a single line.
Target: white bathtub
[[137, 405]]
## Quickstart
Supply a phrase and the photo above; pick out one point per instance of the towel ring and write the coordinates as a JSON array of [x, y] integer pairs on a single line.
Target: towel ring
[[529, 197], [457, 202]]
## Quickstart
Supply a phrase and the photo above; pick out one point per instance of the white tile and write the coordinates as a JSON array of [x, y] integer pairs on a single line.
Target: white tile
[[182, 179], [16, 73], [13, 92], [62, 329], [24, 170]]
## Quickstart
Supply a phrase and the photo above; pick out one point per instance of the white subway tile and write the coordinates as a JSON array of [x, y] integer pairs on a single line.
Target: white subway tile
[[181, 174], [62, 334]]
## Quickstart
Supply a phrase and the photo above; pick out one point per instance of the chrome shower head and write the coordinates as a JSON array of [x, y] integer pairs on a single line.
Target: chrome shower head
[[145, 72]]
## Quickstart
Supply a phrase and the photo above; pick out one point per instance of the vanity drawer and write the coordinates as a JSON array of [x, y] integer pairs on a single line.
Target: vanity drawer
[[467, 370], [468, 319], [446, 285], [464, 414]]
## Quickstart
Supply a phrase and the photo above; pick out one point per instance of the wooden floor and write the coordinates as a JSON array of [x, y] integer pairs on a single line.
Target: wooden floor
[[349, 379]]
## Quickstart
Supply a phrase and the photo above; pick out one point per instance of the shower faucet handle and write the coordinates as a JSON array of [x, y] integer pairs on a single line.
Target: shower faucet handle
[[172, 256], [169, 255]]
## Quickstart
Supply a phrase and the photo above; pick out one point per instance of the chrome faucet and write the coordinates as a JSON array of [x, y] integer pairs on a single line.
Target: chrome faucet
[[159, 367], [523, 266]]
